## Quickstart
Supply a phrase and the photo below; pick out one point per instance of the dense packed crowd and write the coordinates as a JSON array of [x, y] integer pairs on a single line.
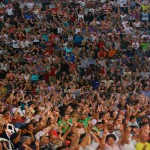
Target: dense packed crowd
[[74, 75]]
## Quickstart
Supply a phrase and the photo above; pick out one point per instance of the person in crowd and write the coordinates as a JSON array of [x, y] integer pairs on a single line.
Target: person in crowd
[[74, 75]]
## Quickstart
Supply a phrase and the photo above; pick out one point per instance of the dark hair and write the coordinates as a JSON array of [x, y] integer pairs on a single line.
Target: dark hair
[[28, 124], [141, 124], [23, 127], [5, 110], [133, 127], [110, 136], [101, 122], [132, 117]]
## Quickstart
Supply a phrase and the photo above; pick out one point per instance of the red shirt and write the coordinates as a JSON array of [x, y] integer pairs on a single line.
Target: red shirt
[[33, 91], [53, 71], [18, 120], [72, 67], [50, 44], [102, 54], [48, 52], [102, 71], [52, 36], [55, 10], [72, 18], [100, 45], [46, 77]]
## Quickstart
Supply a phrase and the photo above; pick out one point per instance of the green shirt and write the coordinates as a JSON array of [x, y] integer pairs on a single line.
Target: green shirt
[[85, 121], [96, 129], [65, 126], [1, 24], [145, 46]]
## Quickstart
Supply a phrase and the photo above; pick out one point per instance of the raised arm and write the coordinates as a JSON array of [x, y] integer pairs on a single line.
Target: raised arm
[[16, 140], [138, 2]]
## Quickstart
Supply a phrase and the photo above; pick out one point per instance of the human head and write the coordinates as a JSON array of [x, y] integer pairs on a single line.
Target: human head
[[26, 140], [110, 139], [23, 129]]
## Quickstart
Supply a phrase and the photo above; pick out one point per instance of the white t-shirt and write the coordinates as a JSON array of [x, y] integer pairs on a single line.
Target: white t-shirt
[[94, 121], [1, 51], [22, 5], [22, 44], [95, 23], [82, 3], [9, 11], [130, 146], [80, 16], [36, 39], [39, 5], [93, 146], [128, 29], [37, 117], [30, 5], [144, 74], [123, 16], [15, 44], [121, 2], [21, 112], [36, 12], [135, 45], [27, 43], [2, 17], [145, 36], [40, 16], [26, 76], [2, 5], [59, 30], [5, 36], [4, 67], [137, 24], [92, 10], [93, 37], [113, 147], [77, 30], [124, 23], [39, 135]]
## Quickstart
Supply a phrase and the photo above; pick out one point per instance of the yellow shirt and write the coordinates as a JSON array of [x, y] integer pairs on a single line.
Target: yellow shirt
[[140, 146], [145, 7], [3, 90]]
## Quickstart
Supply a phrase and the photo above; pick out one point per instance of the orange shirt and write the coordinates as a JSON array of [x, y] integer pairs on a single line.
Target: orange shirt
[[111, 53]]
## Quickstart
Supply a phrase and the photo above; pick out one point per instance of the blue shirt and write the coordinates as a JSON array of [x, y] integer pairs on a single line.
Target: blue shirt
[[78, 39], [66, 24], [35, 77], [45, 37], [68, 50], [146, 93], [28, 16], [71, 58]]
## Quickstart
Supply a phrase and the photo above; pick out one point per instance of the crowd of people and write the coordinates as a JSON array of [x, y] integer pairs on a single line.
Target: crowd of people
[[74, 75]]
